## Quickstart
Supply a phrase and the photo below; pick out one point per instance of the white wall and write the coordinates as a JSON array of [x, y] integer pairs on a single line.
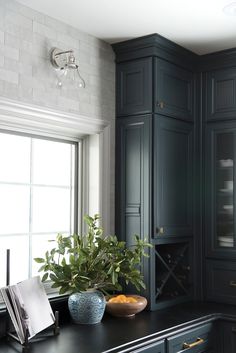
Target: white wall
[[26, 75]]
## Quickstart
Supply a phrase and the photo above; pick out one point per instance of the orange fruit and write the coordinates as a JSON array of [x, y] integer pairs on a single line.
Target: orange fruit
[[121, 298]]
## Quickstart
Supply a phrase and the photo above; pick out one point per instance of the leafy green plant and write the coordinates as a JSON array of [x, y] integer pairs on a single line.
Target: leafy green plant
[[80, 262]]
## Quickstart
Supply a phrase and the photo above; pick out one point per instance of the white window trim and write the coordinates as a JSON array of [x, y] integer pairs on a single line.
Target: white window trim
[[27, 118], [22, 117]]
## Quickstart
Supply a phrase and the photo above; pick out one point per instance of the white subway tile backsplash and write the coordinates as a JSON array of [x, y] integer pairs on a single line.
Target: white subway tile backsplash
[[18, 19], [9, 52], [18, 31], [45, 31], [1, 37], [9, 76]]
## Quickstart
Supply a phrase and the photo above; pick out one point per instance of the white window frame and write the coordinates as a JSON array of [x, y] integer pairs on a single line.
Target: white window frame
[[45, 122]]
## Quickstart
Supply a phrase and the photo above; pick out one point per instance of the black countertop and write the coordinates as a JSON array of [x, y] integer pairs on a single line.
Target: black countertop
[[118, 334]]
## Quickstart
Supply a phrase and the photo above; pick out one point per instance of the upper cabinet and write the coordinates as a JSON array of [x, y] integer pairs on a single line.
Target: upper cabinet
[[173, 90], [173, 177], [221, 94], [134, 87]]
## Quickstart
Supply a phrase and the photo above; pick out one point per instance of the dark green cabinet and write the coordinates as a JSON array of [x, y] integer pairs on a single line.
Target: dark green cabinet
[[221, 94], [173, 177], [220, 162], [154, 162], [134, 87], [168, 271], [173, 90]]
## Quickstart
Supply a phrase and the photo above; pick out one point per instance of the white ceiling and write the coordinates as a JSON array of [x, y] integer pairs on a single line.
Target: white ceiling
[[199, 25]]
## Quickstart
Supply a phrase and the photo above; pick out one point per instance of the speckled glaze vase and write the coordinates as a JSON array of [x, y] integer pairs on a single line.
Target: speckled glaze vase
[[87, 307]]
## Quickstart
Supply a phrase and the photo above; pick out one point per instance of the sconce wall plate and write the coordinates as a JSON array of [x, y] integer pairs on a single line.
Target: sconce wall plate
[[59, 58]]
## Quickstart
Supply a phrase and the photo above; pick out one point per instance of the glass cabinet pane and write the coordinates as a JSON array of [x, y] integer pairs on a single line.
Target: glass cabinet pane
[[225, 190]]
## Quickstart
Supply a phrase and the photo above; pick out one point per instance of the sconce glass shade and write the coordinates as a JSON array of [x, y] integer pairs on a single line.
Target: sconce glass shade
[[68, 71], [70, 78]]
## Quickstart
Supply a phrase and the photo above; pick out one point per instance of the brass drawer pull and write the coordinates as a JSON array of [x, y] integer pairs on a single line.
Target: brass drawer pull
[[194, 344], [232, 283]]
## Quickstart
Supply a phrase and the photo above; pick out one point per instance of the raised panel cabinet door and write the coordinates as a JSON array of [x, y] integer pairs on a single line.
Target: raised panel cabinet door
[[134, 87], [133, 165], [173, 177], [151, 348], [221, 281], [221, 94], [220, 163], [173, 90]]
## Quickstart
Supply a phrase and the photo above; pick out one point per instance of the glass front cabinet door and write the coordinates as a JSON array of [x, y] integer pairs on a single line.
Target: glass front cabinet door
[[220, 187]]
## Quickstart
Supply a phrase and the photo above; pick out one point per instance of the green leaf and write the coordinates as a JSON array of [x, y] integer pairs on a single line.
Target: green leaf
[[53, 277], [45, 277], [39, 260], [42, 268], [63, 290], [55, 285]]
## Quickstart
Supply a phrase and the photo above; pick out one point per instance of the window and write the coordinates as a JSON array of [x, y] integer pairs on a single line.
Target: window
[[38, 188]]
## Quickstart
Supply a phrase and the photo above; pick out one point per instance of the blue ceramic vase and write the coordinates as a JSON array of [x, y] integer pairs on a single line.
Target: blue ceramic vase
[[87, 307]]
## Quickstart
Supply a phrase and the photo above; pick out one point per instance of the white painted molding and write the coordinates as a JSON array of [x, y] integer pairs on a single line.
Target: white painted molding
[[105, 180], [21, 116], [17, 116]]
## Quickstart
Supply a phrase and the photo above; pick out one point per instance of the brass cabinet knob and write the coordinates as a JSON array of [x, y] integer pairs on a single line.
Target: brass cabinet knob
[[160, 105], [160, 230]]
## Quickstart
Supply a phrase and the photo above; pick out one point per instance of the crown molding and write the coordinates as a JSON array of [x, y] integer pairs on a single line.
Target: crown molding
[[22, 116]]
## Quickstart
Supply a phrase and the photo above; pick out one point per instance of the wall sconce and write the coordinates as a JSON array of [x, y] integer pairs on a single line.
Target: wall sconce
[[65, 62]]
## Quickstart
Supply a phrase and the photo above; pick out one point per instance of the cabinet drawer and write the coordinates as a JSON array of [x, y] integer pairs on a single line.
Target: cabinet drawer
[[221, 281], [198, 340], [152, 348]]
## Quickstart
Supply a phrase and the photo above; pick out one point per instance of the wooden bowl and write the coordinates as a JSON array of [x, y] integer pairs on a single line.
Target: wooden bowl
[[126, 309]]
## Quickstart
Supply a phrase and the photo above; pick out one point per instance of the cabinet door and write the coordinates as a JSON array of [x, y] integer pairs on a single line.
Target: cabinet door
[[151, 348], [221, 281], [197, 340], [228, 333], [173, 179], [134, 87], [173, 90], [133, 177], [221, 94], [220, 196], [133, 163]]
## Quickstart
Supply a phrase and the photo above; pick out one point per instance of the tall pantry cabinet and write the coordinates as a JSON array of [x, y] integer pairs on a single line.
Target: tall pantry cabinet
[[155, 147], [219, 126]]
